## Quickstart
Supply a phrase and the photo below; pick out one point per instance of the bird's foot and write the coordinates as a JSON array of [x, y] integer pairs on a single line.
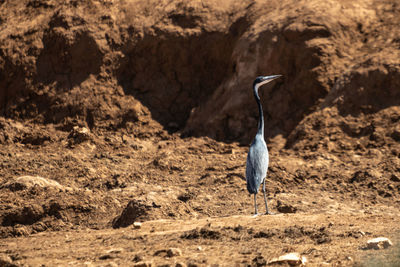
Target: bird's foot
[[269, 213], [256, 214]]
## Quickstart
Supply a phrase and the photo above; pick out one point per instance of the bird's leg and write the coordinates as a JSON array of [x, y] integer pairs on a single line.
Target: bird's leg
[[255, 205], [265, 200]]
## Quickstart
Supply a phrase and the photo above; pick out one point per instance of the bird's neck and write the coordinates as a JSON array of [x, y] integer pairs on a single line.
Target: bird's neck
[[260, 130]]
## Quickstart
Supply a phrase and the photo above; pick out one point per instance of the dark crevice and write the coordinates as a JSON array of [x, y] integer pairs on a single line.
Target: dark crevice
[[172, 75]]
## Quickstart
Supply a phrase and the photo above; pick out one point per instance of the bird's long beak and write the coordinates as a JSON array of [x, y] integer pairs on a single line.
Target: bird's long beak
[[261, 80], [267, 79]]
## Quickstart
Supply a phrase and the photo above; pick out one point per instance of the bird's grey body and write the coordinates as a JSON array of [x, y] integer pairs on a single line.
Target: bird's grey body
[[258, 159], [257, 164]]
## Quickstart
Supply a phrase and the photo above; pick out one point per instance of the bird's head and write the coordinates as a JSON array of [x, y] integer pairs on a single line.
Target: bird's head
[[261, 80]]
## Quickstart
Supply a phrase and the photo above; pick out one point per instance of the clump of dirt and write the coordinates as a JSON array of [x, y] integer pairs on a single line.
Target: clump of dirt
[[27, 215], [204, 232], [319, 236], [266, 234], [259, 261], [135, 210], [285, 207]]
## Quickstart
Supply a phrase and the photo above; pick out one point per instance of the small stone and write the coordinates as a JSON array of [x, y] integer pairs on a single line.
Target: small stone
[[114, 251], [293, 259], [143, 264], [378, 243], [137, 225], [78, 135], [172, 252], [199, 248]]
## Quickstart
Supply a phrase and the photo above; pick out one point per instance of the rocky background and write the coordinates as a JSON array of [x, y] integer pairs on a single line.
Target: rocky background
[[114, 112]]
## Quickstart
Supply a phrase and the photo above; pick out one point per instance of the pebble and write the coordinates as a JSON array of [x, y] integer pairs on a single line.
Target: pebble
[[143, 264], [293, 259], [378, 243], [172, 252], [114, 250], [137, 225], [79, 135]]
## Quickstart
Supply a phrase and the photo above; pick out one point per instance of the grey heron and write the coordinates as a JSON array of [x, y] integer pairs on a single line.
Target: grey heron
[[257, 159]]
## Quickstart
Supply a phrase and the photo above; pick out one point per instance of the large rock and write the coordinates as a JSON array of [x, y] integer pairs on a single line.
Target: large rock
[[135, 210], [378, 243], [26, 182], [293, 259]]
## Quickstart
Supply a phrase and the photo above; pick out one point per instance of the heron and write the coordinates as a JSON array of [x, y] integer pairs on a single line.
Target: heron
[[257, 158]]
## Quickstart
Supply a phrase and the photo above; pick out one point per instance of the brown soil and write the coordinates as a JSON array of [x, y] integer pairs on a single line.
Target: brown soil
[[114, 112]]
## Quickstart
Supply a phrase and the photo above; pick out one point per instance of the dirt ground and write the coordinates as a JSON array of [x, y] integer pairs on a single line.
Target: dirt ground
[[116, 112], [190, 194], [325, 239]]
